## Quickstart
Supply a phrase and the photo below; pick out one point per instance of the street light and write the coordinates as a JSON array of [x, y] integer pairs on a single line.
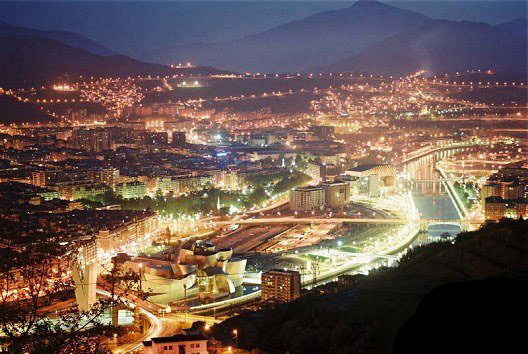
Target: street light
[[140, 277], [185, 301], [235, 332]]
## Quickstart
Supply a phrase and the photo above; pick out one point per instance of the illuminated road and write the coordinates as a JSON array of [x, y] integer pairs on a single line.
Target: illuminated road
[[461, 208], [293, 220], [157, 327], [434, 149]]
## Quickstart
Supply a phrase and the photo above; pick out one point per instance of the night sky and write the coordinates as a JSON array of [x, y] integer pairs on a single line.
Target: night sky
[[134, 28]]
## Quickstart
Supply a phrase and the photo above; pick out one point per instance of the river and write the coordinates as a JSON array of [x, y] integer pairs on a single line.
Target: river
[[437, 207]]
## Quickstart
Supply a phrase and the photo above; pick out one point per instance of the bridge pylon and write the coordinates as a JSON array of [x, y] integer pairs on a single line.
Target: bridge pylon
[[84, 272], [424, 227]]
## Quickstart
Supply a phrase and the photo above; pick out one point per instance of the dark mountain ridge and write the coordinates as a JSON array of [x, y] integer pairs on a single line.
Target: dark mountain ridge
[[518, 27], [441, 46], [26, 60], [319, 39], [72, 39]]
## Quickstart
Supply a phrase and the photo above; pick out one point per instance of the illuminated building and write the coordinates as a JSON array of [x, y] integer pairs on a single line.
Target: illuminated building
[[384, 172], [12, 190], [178, 139], [39, 178], [337, 194], [93, 140], [131, 190], [177, 344], [374, 185], [155, 139], [86, 191], [122, 236], [226, 179], [327, 159], [353, 184], [185, 184], [314, 171], [323, 132], [106, 176], [63, 87], [307, 198], [489, 190], [281, 285], [197, 266], [496, 208], [44, 178]]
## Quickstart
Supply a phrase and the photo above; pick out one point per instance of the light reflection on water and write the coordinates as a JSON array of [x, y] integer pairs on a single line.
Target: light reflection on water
[[437, 207]]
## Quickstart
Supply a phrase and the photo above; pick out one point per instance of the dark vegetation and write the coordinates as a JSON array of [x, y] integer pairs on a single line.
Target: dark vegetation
[[13, 111], [226, 87], [475, 316], [366, 317]]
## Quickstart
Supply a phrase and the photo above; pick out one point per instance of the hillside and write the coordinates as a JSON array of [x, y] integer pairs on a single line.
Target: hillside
[[69, 38], [319, 39], [27, 61], [365, 317], [518, 27], [439, 47], [13, 111]]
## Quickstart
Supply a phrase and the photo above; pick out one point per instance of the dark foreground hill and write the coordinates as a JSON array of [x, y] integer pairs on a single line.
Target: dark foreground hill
[[26, 60], [366, 317], [475, 316]]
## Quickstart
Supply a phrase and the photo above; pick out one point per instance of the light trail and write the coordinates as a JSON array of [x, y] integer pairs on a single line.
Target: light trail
[[155, 329]]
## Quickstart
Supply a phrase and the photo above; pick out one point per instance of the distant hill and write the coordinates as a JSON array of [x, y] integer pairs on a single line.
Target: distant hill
[[319, 39], [519, 27], [27, 60], [441, 46], [72, 39]]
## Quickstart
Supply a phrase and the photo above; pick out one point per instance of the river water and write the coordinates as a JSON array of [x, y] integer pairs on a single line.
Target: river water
[[437, 207]]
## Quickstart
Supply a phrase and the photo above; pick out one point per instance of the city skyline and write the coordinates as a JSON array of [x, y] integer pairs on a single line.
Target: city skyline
[[342, 178]]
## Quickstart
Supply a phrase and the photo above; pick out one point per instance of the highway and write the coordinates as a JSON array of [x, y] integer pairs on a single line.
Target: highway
[[293, 220], [157, 327]]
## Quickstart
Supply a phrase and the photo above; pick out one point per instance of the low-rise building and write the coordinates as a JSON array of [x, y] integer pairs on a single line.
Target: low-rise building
[[177, 344], [496, 208]]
